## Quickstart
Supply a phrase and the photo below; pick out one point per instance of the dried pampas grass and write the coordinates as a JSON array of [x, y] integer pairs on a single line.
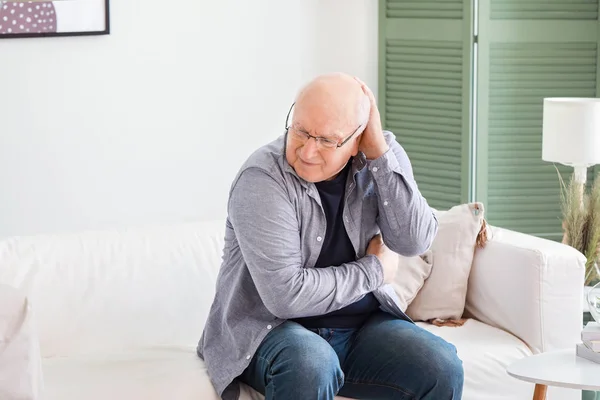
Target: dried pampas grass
[[581, 222]]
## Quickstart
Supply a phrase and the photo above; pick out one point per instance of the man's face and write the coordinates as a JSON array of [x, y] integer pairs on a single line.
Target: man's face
[[312, 161]]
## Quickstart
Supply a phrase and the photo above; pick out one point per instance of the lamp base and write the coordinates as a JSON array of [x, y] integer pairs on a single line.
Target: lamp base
[[580, 177]]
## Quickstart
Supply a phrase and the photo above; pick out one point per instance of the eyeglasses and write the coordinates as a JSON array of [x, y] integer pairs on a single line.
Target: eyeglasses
[[322, 142]]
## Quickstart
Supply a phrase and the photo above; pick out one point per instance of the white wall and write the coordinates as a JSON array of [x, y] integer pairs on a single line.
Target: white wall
[[151, 123], [347, 38]]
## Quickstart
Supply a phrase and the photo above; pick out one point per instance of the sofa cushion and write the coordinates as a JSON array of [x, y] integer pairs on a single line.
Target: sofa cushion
[[165, 373], [486, 352], [154, 373], [110, 290], [20, 360], [444, 292]]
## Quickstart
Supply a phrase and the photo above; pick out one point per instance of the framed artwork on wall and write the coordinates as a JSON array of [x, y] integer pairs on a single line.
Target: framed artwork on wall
[[35, 18]]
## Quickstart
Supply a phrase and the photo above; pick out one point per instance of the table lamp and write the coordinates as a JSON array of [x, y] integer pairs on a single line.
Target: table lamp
[[571, 133]]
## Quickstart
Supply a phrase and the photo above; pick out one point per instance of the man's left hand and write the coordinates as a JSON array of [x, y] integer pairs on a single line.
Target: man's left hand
[[372, 141]]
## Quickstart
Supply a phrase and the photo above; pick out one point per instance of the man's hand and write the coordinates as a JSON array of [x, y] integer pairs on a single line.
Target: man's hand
[[372, 141], [388, 259]]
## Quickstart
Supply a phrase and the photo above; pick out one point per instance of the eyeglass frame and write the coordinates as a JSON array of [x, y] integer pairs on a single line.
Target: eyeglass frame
[[318, 138]]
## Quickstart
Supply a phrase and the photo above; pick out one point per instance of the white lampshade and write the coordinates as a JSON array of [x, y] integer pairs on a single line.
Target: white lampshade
[[571, 131]]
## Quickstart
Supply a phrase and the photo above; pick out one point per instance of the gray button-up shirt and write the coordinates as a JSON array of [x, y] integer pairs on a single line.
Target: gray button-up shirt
[[274, 234]]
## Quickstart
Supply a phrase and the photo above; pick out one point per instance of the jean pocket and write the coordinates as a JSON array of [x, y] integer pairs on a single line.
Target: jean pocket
[[325, 333]]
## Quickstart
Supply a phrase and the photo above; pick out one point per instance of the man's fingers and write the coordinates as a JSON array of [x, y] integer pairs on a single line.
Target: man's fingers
[[367, 91]]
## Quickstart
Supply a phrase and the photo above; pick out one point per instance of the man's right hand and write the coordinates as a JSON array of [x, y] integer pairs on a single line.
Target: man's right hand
[[388, 259]]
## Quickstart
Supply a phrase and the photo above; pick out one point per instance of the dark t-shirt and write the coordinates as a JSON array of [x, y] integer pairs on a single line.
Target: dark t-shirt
[[337, 249]]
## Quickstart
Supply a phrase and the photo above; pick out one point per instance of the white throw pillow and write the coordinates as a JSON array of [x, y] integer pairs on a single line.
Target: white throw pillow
[[444, 292], [410, 276], [20, 359]]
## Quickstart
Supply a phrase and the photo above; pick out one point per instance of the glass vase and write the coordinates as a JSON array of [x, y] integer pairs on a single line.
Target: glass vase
[[593, 300]]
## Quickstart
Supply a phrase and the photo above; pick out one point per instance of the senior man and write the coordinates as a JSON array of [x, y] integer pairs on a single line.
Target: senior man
[[303, 309]]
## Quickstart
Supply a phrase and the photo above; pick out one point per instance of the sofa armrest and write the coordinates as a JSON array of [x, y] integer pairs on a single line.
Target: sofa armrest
[[530, 287], [20, 360]]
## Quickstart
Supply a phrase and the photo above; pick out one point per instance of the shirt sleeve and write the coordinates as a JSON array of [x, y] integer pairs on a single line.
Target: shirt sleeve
[[268, 233], [407, 223]]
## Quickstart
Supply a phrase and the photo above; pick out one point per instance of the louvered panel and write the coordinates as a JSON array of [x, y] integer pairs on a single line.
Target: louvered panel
[[426, 89], [411, 80], [437, 9], [544, 9], [514, 134], [428, 97], [419, 103], [451, 160], [435, 149], [439, 182], [426, 121], [431, 128], [526, 144], [423, 107], [536, 205], [523, 190]]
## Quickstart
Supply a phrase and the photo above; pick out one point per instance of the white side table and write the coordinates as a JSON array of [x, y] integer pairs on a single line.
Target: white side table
[[556, 368]]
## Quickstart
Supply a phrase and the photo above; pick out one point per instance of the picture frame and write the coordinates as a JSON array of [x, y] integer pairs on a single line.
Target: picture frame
[[43, 18]]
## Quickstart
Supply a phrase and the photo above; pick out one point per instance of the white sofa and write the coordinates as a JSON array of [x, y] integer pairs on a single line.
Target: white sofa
[[118, 313]]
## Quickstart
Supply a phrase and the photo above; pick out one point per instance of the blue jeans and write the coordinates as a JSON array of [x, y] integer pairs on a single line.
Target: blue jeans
[[387, 358]]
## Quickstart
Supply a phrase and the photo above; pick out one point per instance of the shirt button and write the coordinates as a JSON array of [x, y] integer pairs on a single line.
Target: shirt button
[[248, 357], [319, 238], [385, 203], [269, 326], [374, 169]]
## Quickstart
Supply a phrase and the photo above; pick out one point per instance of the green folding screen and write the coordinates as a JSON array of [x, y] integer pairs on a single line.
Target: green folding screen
[[433, 83], [424, 85]]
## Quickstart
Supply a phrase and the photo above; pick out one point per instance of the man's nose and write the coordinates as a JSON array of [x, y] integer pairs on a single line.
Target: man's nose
[[310, 149]]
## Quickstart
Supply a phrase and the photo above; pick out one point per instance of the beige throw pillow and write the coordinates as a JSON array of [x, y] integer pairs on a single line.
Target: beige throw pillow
[[410, 276], [444, 292]]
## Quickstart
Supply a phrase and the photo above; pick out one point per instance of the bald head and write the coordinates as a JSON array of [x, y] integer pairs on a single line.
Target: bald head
[[334, 102], [332, 107]]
